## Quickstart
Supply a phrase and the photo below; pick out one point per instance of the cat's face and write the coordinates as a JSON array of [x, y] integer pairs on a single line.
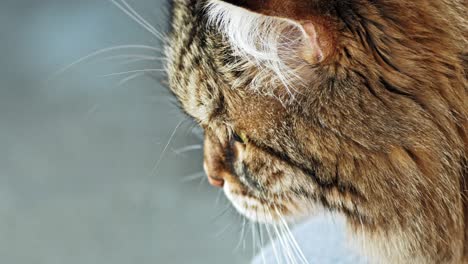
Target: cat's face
[[255, 139], [355, 106], [253, 150], [320, 103]]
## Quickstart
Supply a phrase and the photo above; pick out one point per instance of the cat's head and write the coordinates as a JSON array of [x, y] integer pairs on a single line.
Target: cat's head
[[305, 103], [241, 92]]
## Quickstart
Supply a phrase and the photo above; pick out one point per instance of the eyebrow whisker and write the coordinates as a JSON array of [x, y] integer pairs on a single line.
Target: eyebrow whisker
[[188, 148], [134, 71], [128, 10], [99, 52], [131, 77]]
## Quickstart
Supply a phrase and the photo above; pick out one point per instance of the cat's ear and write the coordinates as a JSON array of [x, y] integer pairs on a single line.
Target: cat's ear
[[318, 28], [294, 9]]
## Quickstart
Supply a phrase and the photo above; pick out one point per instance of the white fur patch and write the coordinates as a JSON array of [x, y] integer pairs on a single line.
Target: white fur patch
[[270, 43], [259, 214]]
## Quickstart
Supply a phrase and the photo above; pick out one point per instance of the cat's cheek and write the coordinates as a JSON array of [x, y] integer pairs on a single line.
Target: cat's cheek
[[250, 207], [269, 213]]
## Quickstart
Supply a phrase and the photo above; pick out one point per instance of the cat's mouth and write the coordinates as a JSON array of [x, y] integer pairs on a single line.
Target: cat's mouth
[[252, 207], [275, 209], [252, 200], [264, 206], [260, 186]]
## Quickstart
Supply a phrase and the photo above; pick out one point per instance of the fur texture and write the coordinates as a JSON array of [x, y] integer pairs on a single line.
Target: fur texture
[[269, 43], [375, 130]]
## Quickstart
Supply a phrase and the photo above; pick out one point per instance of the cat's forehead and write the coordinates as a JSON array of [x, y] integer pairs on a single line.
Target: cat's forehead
[[191, 72], [208, 69]]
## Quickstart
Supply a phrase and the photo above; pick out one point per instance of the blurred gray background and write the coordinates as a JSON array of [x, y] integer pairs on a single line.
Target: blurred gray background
[[92, 169]]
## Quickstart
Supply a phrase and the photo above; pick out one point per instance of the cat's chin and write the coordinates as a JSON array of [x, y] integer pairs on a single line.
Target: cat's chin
[[250, 207], [255, 210]]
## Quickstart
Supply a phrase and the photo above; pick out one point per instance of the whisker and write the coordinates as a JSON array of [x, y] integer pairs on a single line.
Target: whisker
[[291, 238], [134, 17], [135, 60], [223, 212], [246, 233], [127, 9], [134, 56], [286, 249], [92, 110], [191, 127], [198, 132], [156, 78], [260, 236], [99, 52], [160, 35], [254, 241], [287, 254], [291, 248], [364, 246], [130, 61], [166, 147], [241, 239], [223, 230], [218, 196], [273, 244], [202, 180], [134, 71], [131, 77], [193, 177], [285, 230], [188, 148]]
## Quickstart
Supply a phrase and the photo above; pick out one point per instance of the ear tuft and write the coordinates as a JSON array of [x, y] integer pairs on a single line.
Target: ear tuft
[[281, 47], [305, 15], [273, 45]]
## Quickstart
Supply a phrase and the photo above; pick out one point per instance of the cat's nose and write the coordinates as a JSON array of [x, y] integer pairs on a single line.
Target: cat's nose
[[214, 180]]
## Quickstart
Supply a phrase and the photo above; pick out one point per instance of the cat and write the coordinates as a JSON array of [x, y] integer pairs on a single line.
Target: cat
[[358, 107]]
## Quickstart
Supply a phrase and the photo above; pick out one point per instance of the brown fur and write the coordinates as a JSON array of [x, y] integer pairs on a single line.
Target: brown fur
[[379, 133]]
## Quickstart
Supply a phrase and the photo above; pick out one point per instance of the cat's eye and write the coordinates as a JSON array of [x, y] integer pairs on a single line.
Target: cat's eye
[[240, 137]]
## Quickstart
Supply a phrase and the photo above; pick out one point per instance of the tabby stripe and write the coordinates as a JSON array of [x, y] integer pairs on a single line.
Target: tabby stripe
[[341, 186]]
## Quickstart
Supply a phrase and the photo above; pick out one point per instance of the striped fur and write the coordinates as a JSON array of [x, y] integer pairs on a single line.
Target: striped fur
[[377, 131]]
